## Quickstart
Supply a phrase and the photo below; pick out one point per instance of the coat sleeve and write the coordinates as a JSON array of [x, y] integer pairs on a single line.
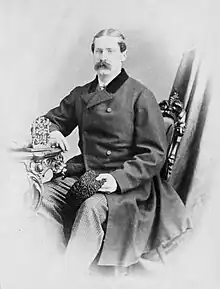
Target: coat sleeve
[[63, 117], [150, 145]]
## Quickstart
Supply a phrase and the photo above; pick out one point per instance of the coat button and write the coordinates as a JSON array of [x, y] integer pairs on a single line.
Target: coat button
[[109, 109], [108, 153]]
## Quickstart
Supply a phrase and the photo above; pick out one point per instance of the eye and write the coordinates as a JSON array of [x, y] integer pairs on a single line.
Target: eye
[[99, 50], [110, 50]]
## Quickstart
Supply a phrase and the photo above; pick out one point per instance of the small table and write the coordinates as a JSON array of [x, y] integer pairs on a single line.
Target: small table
[[37, 163]]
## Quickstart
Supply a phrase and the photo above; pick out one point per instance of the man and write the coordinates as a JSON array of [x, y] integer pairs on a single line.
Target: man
[[122, 138]]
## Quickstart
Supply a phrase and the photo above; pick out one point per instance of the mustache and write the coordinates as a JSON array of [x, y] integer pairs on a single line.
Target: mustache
[[102, 64]]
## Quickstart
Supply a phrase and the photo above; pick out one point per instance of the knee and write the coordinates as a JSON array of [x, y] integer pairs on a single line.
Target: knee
[[96, 203], [91, 203], [95, 206]]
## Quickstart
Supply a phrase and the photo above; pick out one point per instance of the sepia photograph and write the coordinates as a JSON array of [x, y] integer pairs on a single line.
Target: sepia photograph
[[109, 150]]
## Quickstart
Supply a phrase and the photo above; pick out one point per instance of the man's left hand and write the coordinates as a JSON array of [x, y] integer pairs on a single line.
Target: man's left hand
[[110, 184]]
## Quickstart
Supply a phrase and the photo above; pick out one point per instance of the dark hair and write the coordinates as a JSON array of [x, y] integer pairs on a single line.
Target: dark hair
[[110, 32]]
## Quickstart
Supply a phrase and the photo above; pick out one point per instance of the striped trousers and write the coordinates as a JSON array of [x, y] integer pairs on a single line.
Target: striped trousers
[[83, 226]]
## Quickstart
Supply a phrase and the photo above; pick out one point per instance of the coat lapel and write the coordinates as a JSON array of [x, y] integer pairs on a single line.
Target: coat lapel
[[94, 96], [98, 97]]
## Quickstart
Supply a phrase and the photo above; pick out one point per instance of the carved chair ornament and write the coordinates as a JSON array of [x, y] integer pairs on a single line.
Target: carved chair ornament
[[173, 109]]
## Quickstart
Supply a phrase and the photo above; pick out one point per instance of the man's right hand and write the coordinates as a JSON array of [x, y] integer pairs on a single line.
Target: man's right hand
[[58, 140]]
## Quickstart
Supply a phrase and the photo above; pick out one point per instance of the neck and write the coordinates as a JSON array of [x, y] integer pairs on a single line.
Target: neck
[[107, 78]]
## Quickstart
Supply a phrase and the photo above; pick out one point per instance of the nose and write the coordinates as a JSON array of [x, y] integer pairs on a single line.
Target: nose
[[103, 55]]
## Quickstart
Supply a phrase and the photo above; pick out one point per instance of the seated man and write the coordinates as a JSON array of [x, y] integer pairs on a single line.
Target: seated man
[[122, 138]]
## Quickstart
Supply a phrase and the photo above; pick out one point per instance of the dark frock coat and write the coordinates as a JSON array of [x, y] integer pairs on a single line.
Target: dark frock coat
[[122, 132]]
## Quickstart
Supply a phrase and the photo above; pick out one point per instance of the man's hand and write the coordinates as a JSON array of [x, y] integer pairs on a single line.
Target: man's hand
[[110, 185], [58, 140]]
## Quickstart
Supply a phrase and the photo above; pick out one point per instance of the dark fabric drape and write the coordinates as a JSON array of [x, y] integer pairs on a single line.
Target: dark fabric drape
[[186, 164], [183, 75], [193, 158]]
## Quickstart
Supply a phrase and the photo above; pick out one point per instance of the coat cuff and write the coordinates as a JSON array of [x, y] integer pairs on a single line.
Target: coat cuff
[[54, 127]]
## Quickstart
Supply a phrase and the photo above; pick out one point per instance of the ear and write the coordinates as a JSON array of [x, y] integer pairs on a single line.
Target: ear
[[123, 55]]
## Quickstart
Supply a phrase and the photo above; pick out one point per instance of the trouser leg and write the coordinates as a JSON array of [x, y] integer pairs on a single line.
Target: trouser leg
[[85, 224], [54, 204], [87, 233], [54, 197]]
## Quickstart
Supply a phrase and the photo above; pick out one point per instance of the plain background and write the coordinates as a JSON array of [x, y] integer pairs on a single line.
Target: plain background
[[45, 48]]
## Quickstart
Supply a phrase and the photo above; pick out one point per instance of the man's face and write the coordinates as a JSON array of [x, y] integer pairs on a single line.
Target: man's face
[[107, 55]]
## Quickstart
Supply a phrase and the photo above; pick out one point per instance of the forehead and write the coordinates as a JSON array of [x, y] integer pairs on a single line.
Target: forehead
[[106, 42]]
